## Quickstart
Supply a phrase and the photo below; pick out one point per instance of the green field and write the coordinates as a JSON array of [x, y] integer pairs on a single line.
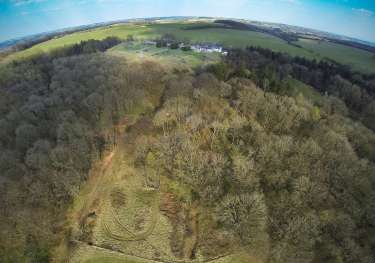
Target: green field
[[358, 59], [228, 37], [121, 31]]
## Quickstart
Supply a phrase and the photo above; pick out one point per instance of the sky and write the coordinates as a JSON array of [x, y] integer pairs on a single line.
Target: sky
[[354, 18]]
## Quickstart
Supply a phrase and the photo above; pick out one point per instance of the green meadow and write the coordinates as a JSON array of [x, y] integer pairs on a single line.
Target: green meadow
[[227, 37], [356, 58], [120, 30]]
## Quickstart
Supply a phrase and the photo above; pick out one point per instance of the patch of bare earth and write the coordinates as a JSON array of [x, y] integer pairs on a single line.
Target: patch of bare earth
[[184, 219]]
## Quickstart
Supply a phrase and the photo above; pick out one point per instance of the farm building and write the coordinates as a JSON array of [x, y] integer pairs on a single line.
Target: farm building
[[207, 48], [149, 42]]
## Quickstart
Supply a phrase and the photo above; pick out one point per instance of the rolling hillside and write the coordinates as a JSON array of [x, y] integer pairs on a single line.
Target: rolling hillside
[[197, 31], [113, 149]]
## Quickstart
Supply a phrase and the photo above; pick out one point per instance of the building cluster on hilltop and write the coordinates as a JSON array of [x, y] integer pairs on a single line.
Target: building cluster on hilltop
[[208, 48], [201, 48]]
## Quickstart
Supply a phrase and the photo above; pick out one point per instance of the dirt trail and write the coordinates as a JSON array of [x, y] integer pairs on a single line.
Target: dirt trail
[[125, 139], [191, 235], [91, 187], [108, 160], [98, 174]]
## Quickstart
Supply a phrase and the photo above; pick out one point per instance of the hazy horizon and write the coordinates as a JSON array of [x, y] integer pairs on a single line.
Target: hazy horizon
[[351, 18], [165, 17]]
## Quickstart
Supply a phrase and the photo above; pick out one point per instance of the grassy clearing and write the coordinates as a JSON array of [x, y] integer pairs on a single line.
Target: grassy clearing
[[171, 58], [127, 216], [128, 224], [360, 60], [307, 91], [136, 235], [90, 254]]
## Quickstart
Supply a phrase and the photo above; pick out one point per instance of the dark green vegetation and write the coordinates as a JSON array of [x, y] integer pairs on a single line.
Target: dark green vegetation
[[288, 37], [271, 71], [262, 155], [58, 115], [289, 180]]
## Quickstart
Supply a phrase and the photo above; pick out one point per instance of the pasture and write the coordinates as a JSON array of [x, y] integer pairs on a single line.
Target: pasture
[[230, 38], [360, 60]]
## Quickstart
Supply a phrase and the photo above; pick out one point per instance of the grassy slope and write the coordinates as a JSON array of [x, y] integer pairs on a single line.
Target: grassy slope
[[229, 38], [358, 59], [121, 31]]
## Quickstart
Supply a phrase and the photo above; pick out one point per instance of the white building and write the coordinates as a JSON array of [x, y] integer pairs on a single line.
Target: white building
[[207, 48], [149, 42]]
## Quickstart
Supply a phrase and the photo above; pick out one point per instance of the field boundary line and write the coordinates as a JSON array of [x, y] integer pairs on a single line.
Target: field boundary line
[[153, 260]]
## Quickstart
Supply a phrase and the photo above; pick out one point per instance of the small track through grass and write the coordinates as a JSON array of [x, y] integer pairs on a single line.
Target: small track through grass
[[114, 235], [159, 260], [134, 236]]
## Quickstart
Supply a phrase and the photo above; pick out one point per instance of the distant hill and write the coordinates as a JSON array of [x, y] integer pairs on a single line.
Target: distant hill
[[230, 33], [250, 25]]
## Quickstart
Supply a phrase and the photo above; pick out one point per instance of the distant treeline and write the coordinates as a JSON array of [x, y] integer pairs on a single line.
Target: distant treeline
[[326, 68], [87, 47], [288, 37], [353, 44], [84, 47], [25, 44], [269, 69], [30, 42]]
